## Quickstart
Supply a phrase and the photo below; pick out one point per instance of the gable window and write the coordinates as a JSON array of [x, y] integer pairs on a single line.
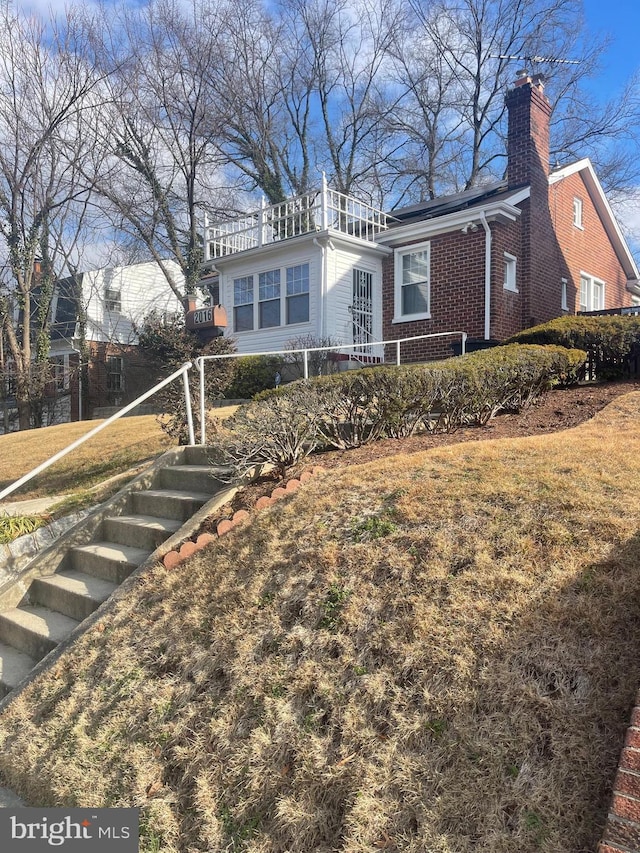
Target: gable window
[[115, 373], [412, 283], [591, 293], [564, 305], [243, 304], [112, 300], [577, 212], [297, 294], [510, 273], [269, 299]]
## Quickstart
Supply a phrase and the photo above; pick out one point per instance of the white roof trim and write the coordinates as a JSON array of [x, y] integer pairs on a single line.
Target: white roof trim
[[606, 214], [456, 221]]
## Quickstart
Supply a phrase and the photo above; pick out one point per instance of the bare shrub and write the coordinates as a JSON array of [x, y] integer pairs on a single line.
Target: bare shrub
[[279, 429]]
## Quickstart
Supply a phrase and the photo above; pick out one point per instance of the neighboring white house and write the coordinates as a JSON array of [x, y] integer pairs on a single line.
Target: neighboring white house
[[113, 300], [306, 268]]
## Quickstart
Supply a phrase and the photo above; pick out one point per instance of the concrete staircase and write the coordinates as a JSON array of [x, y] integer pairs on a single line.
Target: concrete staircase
[[68, 582]]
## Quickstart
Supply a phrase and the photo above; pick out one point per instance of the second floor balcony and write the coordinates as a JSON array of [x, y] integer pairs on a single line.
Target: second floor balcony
[[319, 210]]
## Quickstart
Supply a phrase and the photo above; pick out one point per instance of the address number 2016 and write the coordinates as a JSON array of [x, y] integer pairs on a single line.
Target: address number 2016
[[203, 315]]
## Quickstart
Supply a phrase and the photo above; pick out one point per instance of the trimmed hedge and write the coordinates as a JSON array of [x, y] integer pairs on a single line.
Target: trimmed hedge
[[251, 375], [356, 407], [611, 339]]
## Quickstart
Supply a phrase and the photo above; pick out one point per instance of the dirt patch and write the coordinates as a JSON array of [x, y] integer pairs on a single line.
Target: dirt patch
[[558, 410]]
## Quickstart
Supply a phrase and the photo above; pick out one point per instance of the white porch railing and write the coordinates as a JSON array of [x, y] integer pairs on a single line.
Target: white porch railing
[[369, 347], [317, 210], [182, 371]]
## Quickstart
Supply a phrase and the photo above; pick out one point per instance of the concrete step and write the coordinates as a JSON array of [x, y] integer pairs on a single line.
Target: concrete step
[[34, 630], [168, 503], [194, 478], [139, 531], [107, 560], [14, 666], [72, 593], [198, 455]]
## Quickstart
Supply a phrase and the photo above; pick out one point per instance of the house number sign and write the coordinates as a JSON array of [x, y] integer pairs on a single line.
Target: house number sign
[[202, 317]]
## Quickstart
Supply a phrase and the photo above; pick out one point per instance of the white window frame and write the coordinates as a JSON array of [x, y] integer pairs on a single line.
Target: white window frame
[[592, 293], [400, 254], [564, 287], [577, 212], [292, 294], [113, 300], [286, 299], [115, 374], [268, 284], [240, 280], [510, 273]]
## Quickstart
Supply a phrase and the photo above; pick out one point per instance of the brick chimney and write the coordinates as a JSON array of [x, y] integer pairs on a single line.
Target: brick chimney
[[528, 165], [528, 135]]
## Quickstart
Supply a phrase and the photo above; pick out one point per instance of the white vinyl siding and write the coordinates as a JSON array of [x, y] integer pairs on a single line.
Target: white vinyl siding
[[117, 299]]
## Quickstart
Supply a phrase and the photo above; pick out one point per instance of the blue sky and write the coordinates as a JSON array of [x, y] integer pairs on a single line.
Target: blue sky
[[621, 20]]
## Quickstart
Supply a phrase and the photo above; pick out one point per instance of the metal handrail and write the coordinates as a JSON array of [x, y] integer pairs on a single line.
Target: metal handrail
[[182, 371], [200, 360]]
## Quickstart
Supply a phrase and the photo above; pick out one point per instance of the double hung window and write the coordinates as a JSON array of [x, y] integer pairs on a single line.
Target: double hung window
[[282, 299], [413, 283], [591, 293]]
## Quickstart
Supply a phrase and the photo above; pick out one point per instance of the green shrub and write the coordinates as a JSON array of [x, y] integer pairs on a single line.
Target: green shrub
[[251, 375], [350, 409], [610, 339]]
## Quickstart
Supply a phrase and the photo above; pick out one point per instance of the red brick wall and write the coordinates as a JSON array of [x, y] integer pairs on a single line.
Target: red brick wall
[[457, 295], [587, 249], [622, 832], [544, 241], [506, 307]]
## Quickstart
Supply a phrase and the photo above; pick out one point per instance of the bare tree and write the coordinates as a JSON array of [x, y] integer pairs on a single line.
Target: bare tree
[[455, 61], [45, 85], [161, 166]]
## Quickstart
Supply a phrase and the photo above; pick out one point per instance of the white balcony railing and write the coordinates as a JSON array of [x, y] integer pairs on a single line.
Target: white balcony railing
[[317, 210]]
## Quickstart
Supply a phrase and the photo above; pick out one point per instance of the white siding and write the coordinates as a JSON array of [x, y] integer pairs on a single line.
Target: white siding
[[341, 264], [143, 288]]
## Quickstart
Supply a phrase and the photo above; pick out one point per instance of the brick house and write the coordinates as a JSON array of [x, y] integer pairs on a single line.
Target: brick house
[[499, 259], [490, 261]]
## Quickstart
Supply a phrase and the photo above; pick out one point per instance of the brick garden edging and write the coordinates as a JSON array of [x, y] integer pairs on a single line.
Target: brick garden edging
[[622, 831], [172, 558]]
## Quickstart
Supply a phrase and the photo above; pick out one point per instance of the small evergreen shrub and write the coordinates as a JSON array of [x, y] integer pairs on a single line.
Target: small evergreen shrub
[[611, 338], [251, 375]]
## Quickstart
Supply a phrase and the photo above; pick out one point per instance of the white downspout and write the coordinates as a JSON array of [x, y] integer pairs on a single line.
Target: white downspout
[[487, 276]]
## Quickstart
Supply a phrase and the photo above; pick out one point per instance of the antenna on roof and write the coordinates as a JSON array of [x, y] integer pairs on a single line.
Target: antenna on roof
[[554, 59]]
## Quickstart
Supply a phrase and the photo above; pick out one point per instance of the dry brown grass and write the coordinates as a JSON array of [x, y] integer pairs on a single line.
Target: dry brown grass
[[123, 445], [427, 653]]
